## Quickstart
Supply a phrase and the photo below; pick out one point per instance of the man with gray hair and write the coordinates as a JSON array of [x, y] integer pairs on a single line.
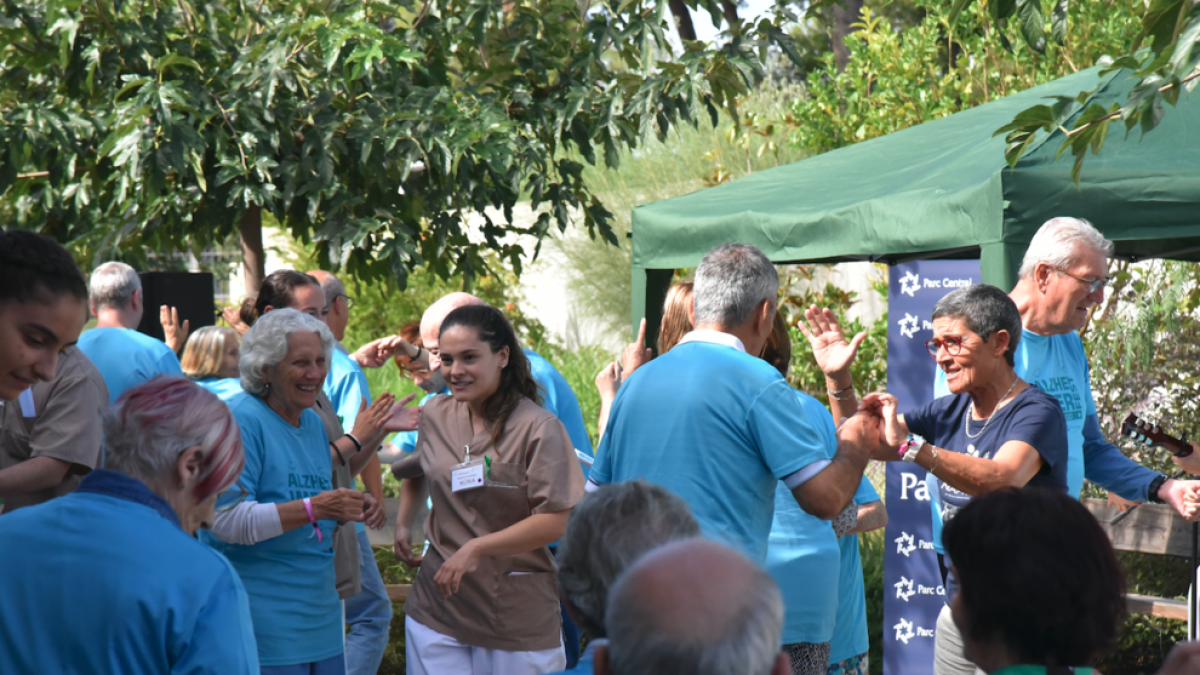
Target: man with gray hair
[[1062, 276], [609, 529], [124, 357], [693, 607], [719, 427]]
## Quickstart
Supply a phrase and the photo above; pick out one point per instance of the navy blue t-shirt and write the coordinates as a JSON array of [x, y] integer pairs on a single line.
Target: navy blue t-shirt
[[1033, 416]]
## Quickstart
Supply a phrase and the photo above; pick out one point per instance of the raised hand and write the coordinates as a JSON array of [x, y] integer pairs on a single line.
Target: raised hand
[[233, 317], [175, 334], [636, 354], [377, 352], [609, 381], [403, 418], [830, 349], [372, 419]]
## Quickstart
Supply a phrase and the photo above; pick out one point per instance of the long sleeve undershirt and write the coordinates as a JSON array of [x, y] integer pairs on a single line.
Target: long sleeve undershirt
[[248, 523]]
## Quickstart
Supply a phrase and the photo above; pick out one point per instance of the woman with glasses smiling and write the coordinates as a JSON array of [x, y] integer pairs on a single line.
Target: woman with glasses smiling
[[993, 431]]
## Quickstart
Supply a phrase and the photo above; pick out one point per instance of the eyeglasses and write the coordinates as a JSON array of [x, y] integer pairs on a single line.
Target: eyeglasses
[[952, 344], [1093, 285], [349, 301]]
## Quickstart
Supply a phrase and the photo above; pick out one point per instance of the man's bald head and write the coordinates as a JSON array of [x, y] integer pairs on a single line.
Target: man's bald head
[[336, 301], [694, 607], [431, 320]]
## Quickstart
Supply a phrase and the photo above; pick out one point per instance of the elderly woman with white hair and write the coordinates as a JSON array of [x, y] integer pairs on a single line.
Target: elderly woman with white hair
[[279, 537], [117, 559]]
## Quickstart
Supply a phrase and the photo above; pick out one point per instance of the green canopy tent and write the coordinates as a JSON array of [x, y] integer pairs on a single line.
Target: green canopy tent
[[940, 190]]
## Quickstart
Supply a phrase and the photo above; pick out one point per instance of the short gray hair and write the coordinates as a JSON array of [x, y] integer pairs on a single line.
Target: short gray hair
[[333, 287], [151, 425], [730, 282], [985, 309], [113, 285], [266, 343], [608, 530], [1056, 244], [749, 639]]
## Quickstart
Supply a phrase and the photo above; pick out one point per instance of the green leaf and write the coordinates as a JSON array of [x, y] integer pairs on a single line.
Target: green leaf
[[1159, 23], [1184, 57], [1033, 24], [1058, 21], [956, 9], [176, 59], [1001, 10]]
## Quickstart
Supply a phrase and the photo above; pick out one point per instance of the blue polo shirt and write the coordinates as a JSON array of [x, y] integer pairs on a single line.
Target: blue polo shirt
[[560, 399], [719, 428], [850, 628], [224, 387], [103, 580], [290, 578], [127, 358], [802, 550]]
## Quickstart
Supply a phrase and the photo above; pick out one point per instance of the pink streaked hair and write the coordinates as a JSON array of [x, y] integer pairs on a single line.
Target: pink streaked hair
[[149, 426]]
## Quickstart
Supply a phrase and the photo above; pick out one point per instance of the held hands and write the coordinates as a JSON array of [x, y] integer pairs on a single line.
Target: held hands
[[374, 514], [1183, 496], [453, 570], [342, 504], [403, 549], [830, 349], [892, 431], [377, 352], [174, 333]]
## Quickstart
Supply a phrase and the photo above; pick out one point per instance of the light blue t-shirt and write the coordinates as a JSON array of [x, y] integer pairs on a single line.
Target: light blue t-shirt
[[717, 427], [103, 580], [406, 441], [290, 578], [802, 551], [850, 628], [560, 399], [127, 358], [346, 386], [224, 387]]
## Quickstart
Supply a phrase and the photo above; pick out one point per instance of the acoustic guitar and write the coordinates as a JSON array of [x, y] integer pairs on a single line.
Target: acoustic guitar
[[1152, 435]]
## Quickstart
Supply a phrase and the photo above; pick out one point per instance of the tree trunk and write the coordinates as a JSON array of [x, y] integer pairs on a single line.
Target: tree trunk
[[730, 10], [844, 13], [683, 20], [253, 261]]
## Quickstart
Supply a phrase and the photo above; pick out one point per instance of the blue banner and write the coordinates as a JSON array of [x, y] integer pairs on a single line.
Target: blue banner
[[912, 585]]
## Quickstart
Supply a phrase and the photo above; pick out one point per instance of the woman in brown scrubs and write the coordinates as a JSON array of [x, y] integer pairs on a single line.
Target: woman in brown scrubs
[[503, 478]]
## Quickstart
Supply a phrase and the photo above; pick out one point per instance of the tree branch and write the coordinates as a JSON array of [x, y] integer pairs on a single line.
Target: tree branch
[[231, 130], [1118, 113]]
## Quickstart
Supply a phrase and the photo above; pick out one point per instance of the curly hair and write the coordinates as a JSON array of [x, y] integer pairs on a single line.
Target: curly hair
[[35, 267], [516, 380], [1037, 574]]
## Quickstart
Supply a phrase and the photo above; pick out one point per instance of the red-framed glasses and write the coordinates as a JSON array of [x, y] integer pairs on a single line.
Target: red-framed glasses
[[952, 344]]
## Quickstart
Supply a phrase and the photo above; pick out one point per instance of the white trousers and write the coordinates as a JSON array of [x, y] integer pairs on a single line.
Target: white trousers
[[428, 652], [949, 649]]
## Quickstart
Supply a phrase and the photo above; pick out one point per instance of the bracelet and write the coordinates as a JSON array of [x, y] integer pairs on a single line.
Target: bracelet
[[933, 465], [417, 355], [312, 517], [339, 453], [837, 395], [357, 444]]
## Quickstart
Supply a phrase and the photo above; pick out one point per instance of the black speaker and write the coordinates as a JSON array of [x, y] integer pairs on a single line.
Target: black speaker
[[189, 292]]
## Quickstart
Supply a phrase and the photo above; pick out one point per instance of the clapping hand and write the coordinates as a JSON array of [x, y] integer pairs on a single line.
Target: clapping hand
[[403, 418], [377, 352]]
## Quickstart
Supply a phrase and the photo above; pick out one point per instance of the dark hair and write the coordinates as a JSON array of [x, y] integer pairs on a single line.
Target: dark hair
[[35, 267], [778, 350], [985, 309], [516, 380], [1036, 573], [276, 291]]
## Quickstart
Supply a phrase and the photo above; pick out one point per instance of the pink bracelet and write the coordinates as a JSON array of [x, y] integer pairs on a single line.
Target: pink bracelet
[[312, 517], [904, 447]]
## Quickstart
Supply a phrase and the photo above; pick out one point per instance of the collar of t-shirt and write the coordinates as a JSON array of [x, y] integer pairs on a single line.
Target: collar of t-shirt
[[115, 484], [715, 337]]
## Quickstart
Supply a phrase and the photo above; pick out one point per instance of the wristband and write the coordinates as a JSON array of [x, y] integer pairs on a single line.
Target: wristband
[[837, 395], [417, 355], [1155, 486], [357, 444], [312, 517], [909, 449], [339, 453]]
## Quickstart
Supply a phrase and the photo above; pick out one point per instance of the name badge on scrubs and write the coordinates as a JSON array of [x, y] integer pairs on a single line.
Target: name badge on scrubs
[[467, 476]]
